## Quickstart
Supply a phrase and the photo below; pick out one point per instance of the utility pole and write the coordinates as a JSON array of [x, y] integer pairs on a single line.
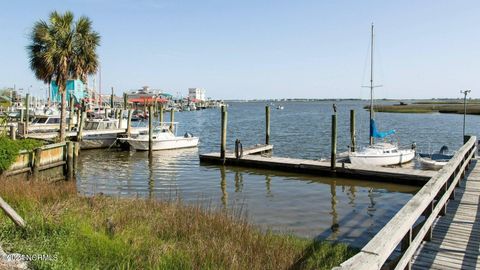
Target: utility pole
[[465, 93]]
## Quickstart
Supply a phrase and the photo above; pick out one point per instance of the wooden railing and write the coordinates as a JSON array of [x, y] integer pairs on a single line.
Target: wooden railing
[[413, 223]]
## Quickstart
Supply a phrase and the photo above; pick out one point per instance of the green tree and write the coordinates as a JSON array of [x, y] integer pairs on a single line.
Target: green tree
[[63, 49]]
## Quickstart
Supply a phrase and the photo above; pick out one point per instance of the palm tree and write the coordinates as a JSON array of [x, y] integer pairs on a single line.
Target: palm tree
[[62, 49]]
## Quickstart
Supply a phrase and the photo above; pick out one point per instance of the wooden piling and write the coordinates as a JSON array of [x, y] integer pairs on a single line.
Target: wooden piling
[[172, 112], [267, 124], [161, 114], [22, 115], [111, 100], [27, 112], [120, 119], [129, 122], [76, 151], [223, 139], [16, 218], [13, 132], [36, 161], [70, 120], [333, 156], [81, 126], [352, 131], [70, 161], [125, 101], [150, 130]]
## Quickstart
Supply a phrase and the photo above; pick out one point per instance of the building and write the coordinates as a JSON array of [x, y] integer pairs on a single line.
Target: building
[[196, 94], [75, 88]]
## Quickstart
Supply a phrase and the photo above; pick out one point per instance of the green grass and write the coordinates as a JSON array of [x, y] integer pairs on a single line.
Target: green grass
[[9, 150], [111, 233]]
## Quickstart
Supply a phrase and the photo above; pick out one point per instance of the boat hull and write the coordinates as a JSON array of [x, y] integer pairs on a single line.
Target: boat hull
[[383, 160], [180, 142], [98, 141]]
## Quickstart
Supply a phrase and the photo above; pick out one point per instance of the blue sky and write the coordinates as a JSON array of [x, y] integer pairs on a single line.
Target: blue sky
[[266, 49]]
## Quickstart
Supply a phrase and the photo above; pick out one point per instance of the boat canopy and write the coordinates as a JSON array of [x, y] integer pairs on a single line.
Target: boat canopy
[[377, 134]]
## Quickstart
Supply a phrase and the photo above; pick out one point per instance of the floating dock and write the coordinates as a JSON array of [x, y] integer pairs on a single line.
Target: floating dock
[[322, 168]]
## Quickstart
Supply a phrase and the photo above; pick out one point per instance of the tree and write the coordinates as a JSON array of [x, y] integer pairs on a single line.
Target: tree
[[63, 49]]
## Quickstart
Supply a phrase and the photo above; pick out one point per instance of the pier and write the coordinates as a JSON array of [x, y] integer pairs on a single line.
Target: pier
[[437, 228]]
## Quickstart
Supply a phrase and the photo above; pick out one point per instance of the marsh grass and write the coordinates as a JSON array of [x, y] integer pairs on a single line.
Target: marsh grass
[[111, 233]]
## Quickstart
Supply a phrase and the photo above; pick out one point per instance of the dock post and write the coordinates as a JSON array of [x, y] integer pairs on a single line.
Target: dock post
[[223, 141], [36, 161], [27, 116], [70, 153], [120, 119], [172, 112], [22, 115], [129, 122], [333, 156], [125, 101], [161, 114], [352, 131], [13, 132], [267, 125], [70, 119], [150, 130], [111, 100], [80, 127]]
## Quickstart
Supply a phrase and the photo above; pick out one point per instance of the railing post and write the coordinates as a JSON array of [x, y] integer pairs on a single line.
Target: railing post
[[406, 241], [443, 190], [428, 211]]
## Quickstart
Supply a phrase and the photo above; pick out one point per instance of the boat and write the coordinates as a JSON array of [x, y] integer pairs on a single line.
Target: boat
[[380, 153], [163, 139], [100, 133], [435, 161], [279, 107]]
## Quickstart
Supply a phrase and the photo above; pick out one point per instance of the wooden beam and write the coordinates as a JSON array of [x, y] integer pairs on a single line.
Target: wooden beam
[[16, 218]]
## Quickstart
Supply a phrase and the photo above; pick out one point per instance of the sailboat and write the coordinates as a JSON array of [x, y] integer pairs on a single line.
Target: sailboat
[[380, 153]]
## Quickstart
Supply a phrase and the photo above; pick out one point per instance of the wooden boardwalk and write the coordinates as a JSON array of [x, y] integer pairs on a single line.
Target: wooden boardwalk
[[456, 236]]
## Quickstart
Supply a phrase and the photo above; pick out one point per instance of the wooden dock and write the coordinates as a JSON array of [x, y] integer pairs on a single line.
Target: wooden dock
[[316, 167], [455, 240], [438, 228]]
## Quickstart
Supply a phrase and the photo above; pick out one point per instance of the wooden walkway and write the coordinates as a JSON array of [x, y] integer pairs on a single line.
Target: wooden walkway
[[456, 236]]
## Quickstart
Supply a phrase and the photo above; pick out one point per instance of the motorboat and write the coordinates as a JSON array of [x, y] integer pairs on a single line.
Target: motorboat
[[380, 153], [163, 138], [435, 161], [99, 133]]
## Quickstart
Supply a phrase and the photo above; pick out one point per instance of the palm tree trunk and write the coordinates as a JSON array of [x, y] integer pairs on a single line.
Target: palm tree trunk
[[63, 115]]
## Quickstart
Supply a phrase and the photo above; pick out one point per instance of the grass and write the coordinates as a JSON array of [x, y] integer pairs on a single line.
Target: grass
[[111, 233], [456, 108]]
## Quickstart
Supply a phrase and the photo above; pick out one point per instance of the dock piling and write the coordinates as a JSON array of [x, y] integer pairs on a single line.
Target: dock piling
[[13, 132], [120, 119], [333, 156], [36, 161], [267, 124], [161, 113], [172, 112], [70, 153], [80, 126], [27, 112], [129, 122], [223, 141], [125, 101], [352, 131], [150, 130]]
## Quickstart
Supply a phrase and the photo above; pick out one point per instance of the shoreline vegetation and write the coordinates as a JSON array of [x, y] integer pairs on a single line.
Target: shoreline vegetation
[[473, 107], [103, 232]]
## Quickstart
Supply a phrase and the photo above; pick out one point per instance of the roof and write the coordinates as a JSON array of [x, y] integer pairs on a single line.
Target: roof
[[147, 100]]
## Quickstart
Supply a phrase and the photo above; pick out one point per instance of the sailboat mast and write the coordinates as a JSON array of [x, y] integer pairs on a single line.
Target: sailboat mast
[[371, 87]]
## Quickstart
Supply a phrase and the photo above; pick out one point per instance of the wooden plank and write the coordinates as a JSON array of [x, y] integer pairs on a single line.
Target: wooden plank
[[16, 218]]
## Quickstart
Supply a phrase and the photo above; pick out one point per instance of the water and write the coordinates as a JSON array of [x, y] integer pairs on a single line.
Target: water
[[337, 209]]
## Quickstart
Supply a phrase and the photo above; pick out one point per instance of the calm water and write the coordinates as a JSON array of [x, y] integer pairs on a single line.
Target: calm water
[[336, 209]]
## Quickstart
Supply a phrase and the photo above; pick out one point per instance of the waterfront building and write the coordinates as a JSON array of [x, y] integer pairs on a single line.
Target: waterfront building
[[75, 88], [196, 94]]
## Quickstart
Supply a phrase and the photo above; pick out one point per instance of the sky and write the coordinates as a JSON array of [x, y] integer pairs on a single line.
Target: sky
[[264, 49]]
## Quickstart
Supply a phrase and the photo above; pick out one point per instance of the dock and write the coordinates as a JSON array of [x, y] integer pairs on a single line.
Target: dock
[[438, 228], [455, 240], [322, 168]]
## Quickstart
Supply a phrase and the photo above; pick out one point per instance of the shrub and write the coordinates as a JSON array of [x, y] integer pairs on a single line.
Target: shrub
[[9, 150]]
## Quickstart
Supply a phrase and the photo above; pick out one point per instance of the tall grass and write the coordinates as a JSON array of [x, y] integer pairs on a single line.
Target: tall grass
[[111, 233]]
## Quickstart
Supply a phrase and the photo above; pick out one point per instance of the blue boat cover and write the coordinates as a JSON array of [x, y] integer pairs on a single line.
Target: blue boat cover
[[377, 134]]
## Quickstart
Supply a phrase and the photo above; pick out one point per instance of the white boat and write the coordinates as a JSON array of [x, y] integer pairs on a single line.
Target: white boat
[[99, 133], [382, 153], [279, 107], [163, 139], [435, 161]]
